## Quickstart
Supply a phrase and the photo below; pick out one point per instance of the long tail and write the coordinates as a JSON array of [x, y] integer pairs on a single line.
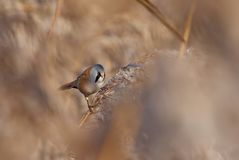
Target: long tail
[[68, 86]]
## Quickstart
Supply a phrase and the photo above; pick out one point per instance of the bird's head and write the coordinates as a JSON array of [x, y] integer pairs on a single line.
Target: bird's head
[[98, 74]]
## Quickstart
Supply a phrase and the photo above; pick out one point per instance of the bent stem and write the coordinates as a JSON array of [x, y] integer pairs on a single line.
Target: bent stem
[[187, 28]]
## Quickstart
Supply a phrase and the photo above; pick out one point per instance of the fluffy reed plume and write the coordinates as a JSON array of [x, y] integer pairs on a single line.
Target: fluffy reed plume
[[159, 107]]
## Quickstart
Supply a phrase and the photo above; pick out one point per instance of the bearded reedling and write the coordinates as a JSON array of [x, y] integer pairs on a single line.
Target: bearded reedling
[[88, 82]]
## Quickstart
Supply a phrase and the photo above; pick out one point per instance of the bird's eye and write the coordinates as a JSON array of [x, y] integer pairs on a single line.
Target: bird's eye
[[97, 77]]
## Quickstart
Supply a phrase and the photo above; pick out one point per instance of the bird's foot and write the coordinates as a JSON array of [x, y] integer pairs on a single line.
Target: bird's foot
[[91, 108]]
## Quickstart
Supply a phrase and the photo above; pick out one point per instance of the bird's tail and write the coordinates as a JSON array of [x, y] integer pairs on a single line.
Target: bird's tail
[[68, 85]]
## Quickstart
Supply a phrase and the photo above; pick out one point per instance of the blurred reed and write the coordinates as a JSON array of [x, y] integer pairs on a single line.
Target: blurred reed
[[177, 109]]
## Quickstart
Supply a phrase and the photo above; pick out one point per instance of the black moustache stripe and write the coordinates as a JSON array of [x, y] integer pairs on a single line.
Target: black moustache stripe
[[97, 77]]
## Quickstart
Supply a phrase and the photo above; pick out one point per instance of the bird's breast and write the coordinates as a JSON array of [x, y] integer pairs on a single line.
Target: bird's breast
[[88, 88]]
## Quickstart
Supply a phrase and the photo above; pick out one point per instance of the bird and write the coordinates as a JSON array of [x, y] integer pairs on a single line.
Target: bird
[[88, 82]]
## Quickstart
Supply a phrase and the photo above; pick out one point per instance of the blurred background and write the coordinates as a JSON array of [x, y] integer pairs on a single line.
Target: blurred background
[[186, 109]]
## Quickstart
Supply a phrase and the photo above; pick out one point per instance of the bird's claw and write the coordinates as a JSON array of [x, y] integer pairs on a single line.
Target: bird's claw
[[91, 108]]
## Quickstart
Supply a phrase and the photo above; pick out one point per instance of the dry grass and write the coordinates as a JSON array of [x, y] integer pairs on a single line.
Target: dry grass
[[181, 109]]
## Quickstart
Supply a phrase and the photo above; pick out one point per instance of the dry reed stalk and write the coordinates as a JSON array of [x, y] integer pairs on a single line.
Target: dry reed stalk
[[187, 28], [84, 118], [158, 14]]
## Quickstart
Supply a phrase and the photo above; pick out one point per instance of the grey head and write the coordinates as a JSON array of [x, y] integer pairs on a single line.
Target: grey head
[[97, 74]]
